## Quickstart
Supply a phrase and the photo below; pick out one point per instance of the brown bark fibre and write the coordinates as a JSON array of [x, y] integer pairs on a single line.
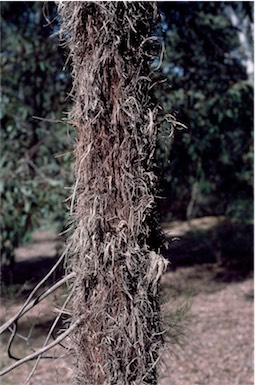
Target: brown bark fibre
[[117, 273]]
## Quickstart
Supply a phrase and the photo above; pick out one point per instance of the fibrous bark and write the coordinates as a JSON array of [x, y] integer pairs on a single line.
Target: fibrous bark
[[117, 273]]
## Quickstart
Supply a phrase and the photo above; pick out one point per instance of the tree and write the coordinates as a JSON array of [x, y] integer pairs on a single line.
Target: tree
[[115, 292], [116, 327], [32, 173], [208, 170]]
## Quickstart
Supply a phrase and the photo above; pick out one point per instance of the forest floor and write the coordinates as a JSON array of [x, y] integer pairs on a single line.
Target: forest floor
[[215, 349]]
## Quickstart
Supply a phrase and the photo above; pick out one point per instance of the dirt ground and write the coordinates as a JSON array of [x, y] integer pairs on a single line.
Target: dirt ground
[[219, 341], [217, 345]]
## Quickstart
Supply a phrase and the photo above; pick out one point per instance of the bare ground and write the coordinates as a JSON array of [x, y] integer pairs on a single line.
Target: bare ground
[[217, 348], [219, 341]]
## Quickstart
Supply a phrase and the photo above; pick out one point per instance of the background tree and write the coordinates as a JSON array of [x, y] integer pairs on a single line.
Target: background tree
[[35, 164], [207, 170]]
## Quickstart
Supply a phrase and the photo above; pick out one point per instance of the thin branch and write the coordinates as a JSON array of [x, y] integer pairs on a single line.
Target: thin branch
[[42, 350], [27, 306], [48, 120], [13, 333], [48, 336], [30, 306]]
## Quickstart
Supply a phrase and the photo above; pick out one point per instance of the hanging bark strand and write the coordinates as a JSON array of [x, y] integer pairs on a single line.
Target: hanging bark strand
[[117, 274]]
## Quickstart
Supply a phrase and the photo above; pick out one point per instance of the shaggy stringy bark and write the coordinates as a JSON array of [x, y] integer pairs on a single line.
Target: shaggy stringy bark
[[117, 274]]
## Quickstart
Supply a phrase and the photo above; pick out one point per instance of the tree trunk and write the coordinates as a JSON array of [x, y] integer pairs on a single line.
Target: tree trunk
[[117, 272]]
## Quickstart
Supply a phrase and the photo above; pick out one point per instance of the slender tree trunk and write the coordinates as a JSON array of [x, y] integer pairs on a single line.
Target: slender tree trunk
[[117, 273]]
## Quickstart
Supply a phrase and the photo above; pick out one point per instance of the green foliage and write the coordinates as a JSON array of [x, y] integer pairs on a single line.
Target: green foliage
[[206, 169], [34, 87]]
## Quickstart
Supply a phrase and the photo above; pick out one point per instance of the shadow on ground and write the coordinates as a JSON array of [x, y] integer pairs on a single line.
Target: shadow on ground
[[228, 245], [32, 262], [224, 246]]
